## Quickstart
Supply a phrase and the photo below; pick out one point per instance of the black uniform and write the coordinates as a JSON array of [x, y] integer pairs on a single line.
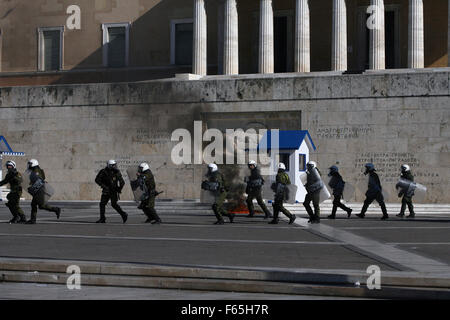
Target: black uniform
[[111, 182], [407, 198], [337, 184], [313, 186], [279, 188], [253, 190], [374, 193], [14, 178], [38, 200]]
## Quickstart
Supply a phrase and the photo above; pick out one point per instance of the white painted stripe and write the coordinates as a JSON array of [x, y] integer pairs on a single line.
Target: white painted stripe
[[164, 239], [374, 248]]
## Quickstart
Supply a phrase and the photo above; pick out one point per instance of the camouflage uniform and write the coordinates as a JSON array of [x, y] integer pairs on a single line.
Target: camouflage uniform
[[255, 192], [38, 200], [282, 180], [148, 205], [14, 178], [220, 196], [407, 198]]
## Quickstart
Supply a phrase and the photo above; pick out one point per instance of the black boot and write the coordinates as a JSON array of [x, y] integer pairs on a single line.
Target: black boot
[[124, 216], [332, 216], [57, 211], [274, 221], [32, 218], [23, 219], [292, 218], [15, 219], [349, 213], [219, 221]]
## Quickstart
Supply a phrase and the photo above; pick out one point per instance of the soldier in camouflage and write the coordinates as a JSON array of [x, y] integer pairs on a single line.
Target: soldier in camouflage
[[14, 178]]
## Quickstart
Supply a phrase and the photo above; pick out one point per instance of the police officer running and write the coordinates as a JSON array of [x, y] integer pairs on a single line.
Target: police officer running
[[39, 174], [407, 195], [254, 185], [111, 181], [337, 184], [313, 186], [14, 178], [147, 180], [280, 189], [373, 192], [216, 184]]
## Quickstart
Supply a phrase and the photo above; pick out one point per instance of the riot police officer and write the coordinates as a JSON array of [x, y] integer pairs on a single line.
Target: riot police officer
[[254, 184], [216, 183], [280, 189], [337, 184], [146, 178], [374, 192], [111, 181], [407, 196], [313, 186], [37, 201], [14, 178]]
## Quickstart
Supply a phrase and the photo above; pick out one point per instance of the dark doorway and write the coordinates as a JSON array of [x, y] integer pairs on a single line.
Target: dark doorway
[[280, 25], [390, 40]]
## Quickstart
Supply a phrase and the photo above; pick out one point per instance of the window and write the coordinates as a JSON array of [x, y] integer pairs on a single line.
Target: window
[[115, 44], [181, 42], [302, 162], [50, 48], [284, 158]]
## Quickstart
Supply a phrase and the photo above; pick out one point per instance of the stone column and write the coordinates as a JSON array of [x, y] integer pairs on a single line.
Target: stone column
[[377, 51], [200, 45], [266, 55], [448, 40], [339, 45], [416, 58], [302, 37], [231, 38]]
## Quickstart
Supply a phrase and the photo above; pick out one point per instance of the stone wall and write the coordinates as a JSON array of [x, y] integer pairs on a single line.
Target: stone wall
[[387, 118]]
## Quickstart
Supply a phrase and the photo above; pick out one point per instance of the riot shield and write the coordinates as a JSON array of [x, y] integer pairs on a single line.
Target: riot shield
[[207, 197], [137, 187], [324, 194], [43, 195], [291, 192], [412, 189], [266, 190], [303, 177]]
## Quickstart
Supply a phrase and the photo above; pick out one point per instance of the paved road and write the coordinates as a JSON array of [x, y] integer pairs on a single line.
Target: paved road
[[189, 238]]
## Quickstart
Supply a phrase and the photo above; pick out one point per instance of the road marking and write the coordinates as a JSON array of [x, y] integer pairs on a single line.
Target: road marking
[[390, 228], [420, 243], [372, 248], [165, 239]]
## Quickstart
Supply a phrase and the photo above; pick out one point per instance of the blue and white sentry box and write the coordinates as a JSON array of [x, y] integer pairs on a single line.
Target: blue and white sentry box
[[294, 147], [5, 150]]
